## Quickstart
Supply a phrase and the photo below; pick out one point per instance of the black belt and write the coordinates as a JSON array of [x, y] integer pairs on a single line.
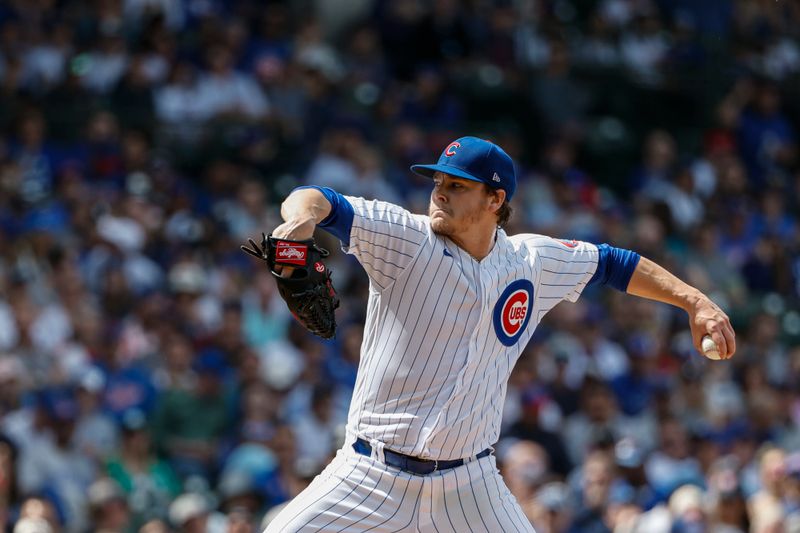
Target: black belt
[[412, 464]]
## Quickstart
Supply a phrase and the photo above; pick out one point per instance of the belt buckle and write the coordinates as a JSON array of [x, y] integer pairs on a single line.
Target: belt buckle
[[435, 465]]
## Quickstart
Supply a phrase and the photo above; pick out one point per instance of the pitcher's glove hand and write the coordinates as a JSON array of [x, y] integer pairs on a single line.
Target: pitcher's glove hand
[[308, 291]]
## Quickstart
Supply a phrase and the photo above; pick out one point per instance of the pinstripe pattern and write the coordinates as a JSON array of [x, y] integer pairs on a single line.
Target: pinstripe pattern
[[432, 376], [360, 494]]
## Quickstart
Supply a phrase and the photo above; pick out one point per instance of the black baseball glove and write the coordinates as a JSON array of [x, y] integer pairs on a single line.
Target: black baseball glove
[[308, 292]]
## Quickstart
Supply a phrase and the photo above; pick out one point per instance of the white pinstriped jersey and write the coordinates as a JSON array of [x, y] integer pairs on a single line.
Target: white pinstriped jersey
[[443, 331]]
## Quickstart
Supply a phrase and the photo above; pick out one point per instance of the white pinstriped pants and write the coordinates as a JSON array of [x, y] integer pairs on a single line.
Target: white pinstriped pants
[[359, 493]]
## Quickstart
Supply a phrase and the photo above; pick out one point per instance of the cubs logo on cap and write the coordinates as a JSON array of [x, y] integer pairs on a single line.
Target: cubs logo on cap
[[450, 151], [512, 312]]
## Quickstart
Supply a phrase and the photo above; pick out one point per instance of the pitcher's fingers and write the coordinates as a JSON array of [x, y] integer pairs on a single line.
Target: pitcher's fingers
[[719, 340], [730, 338], [285, 271]]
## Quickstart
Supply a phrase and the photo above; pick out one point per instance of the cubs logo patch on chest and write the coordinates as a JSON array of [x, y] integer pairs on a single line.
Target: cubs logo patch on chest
[[512, 312]]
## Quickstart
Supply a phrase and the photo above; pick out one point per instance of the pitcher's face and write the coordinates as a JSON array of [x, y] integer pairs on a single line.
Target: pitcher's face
[[457, 204]]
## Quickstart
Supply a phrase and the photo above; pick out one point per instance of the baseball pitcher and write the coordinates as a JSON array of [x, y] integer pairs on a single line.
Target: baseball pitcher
[[453, 301]]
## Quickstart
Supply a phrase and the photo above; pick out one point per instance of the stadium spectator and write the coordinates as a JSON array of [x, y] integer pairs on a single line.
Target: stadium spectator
[[147, 483]]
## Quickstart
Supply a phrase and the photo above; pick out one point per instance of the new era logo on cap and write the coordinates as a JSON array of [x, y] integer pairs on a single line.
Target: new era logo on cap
[[495, 177]]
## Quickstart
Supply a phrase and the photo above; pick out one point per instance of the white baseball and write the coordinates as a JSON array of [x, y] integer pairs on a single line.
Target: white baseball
[[710, 349]]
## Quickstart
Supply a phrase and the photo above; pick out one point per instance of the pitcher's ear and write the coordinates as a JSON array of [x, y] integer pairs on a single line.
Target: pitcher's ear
[[498, 197]]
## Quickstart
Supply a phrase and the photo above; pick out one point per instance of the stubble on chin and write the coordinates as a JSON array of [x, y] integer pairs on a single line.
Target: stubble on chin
[[440, 227]]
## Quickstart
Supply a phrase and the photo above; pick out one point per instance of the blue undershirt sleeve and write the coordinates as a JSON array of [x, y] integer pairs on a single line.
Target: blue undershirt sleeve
[[340, 220], [615, 267]]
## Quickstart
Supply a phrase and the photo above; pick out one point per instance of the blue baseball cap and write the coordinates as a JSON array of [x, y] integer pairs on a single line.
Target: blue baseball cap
[[59, 403], [475, 159]]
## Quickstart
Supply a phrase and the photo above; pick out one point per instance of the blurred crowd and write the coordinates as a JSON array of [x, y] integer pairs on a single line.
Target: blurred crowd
[[151, 379]]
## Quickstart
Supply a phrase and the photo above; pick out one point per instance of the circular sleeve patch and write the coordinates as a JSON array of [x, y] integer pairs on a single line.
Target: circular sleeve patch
[[512, 312]]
